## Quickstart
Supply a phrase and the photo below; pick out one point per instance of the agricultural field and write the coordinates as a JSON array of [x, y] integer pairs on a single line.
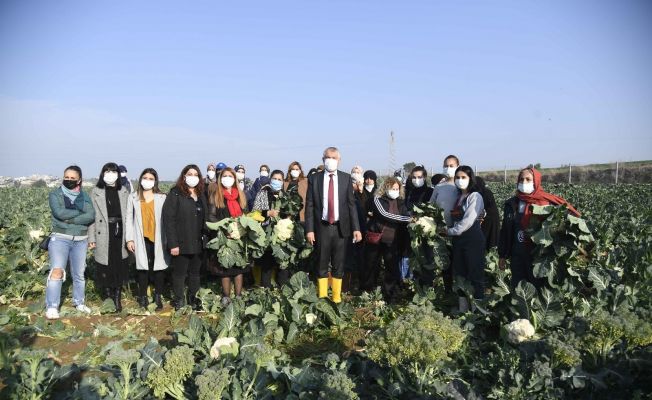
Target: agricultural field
[[587, 334]]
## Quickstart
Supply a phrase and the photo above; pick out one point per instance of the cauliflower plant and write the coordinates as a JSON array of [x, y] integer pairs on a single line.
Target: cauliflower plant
[[236, 231], [311, 318], [224, 345], [519, 331], [284, 229]]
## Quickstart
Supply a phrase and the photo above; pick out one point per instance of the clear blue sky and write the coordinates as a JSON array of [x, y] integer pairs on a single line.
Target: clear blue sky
[[166, 83]]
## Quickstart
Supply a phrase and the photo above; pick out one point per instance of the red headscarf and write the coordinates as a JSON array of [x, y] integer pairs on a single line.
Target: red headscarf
[[540, 198], [232, 202]]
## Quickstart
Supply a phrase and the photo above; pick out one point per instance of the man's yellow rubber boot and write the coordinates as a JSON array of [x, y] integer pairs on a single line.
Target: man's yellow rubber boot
[[337, 290], [322, 287]]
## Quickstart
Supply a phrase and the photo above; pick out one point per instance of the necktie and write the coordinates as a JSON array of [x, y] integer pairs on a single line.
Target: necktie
[[331, 200]]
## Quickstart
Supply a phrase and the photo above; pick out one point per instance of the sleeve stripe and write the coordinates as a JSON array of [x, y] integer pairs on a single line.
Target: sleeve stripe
[[387, 215]]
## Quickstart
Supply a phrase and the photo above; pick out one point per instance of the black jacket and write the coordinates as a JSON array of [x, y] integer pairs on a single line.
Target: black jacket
[[381, 217], [183, 222], [348, 221], [491, 223], [415, 196], [507, 229]]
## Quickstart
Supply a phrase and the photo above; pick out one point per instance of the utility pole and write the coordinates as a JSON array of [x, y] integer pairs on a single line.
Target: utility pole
[[617, 172], [392, 154], [505, 180], [570, 172]]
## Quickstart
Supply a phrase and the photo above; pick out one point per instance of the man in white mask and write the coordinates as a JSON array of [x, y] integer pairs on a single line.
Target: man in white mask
[[331, 220]]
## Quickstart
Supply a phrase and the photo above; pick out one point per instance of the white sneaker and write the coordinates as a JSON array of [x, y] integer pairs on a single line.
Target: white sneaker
[[83, 308], [52, 313]]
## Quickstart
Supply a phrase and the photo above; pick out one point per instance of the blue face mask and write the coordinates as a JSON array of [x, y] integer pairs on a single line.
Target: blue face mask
[[276, 184]]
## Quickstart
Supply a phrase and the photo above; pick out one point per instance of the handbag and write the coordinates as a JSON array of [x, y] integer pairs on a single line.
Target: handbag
[[374, 237], [44, 243]]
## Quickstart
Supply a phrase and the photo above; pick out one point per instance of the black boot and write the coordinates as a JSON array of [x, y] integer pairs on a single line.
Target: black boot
[[117, 299], [142, 301], [194, 302], [158, 301], [179, 303]]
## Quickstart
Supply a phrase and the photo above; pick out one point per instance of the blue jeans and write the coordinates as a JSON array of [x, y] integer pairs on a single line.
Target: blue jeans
[[62, 252]]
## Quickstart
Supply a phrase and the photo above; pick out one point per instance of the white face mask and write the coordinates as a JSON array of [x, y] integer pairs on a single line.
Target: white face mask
[[450, 171], [526, 187], [369, 188], [264, 174], [192, 180], [393, 194], [461, 183], [295, 173], [123, 174], [110, 178], [240, 175], [330, 164], [147, 184], [418, 182], [211, 174], [227, 181]]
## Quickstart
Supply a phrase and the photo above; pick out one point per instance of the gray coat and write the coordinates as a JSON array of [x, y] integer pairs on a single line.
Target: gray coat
[[134, 232], [98, 233]]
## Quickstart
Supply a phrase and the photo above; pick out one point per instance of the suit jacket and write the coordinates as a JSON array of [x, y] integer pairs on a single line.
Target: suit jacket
[[98, 233], [348, 221]]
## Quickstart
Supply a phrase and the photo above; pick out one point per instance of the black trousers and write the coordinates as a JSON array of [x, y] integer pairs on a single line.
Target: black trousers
[[520, 264], [469, 258], [391, 258], [267, 266], [145, 276], [185, 266], [331, 250]]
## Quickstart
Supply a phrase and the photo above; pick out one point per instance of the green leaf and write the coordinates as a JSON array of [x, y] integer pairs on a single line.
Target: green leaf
[[254, 309]]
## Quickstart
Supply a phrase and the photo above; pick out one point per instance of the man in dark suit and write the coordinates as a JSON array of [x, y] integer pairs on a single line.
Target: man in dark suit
[[331, 218]]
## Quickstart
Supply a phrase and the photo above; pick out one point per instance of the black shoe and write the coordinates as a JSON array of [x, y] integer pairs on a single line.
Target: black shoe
[[178, 303], [117, 299], [195, 303], [158, 301], [142, 301]]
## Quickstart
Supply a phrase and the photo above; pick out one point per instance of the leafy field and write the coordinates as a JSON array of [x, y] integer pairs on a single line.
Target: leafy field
[[591, 338]]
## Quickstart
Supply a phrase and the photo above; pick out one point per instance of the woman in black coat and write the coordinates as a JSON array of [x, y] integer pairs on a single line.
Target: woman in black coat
[[491, 222], [183, 220], [390, 217]]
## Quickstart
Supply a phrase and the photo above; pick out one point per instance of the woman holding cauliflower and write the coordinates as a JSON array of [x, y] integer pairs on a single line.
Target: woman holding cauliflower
[[390, 218], [263, 203], [227, 200], [468, 239]]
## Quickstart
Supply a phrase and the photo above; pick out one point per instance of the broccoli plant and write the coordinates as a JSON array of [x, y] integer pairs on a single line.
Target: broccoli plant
[[211, 383], [125, 361], [168, 379]]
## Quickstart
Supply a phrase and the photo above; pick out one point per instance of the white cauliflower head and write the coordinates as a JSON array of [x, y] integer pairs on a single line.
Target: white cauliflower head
[[428, 224], [311, 318], [236, 231], [225, 345], [283, 229], [519, 331], [36, 234]]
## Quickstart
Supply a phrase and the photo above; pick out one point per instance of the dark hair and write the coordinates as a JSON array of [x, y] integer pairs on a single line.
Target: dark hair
[[473, 182], [312, 171], [457, 160], [155, 189], [113, 167], [420, 168], [263, 166], [277, 171], [181, 180], [370, 174], [436, 178], [76, 169]]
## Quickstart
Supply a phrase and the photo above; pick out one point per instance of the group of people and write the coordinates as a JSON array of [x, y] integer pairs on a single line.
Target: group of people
[[355, 223]]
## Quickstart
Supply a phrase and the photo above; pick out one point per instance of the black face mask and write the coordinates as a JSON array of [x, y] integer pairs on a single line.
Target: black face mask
[[70, 183]]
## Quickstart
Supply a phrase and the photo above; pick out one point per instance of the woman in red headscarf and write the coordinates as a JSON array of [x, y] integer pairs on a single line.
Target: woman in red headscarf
[[513, 242]]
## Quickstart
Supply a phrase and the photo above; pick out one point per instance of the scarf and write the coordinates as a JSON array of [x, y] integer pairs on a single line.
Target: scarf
[[232, 202], [71, 194], [540, 198]]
